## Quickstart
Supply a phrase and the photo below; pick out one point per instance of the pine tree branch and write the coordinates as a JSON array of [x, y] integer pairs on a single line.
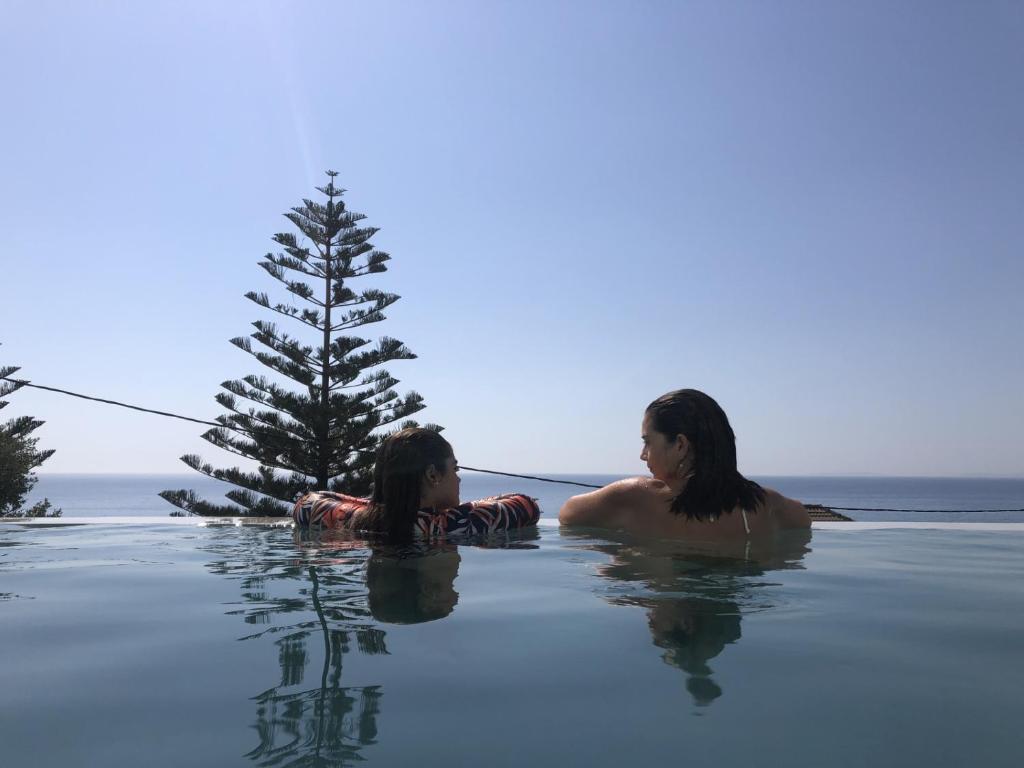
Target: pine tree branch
[[266, 483], [354, 236], [297, 264], [360, 271], [20, 427], [303, 291], [272, 397], [342, 296], [283, 344], [313, 231], [357, 318], [346, 345], [9, 387], [302, 318], [310, 317], [352, 252], [374, 379], [267, 419], [193, 505], [265, 444], [258, 506], [275, 441], [299, 406], [285, 367], [254, 453]]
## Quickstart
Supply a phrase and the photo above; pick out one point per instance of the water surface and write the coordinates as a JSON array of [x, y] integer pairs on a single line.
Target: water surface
[[232, 646]]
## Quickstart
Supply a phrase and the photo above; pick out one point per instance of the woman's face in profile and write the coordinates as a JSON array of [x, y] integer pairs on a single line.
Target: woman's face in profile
[[447, 492], [662, 456]]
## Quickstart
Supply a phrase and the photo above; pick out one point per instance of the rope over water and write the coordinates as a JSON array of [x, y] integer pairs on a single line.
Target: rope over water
[[26, 383], [930, 511], [529, 477]]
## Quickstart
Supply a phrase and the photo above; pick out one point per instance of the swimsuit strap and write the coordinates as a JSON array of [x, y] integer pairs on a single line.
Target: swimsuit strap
[[746, 525]]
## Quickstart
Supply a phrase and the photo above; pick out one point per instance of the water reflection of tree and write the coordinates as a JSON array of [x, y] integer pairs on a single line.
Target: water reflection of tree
[[695, 595], [328, 725], [298, 588], [300, 584]]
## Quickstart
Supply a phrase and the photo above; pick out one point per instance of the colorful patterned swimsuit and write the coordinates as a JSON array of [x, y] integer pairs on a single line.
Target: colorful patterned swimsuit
[[498, 513]]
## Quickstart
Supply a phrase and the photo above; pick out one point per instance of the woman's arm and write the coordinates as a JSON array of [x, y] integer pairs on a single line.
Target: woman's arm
[[605, 507], [485, 516]]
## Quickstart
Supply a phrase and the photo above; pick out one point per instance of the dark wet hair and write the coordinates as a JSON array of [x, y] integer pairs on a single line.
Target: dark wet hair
[[716, 485], [402, 460]]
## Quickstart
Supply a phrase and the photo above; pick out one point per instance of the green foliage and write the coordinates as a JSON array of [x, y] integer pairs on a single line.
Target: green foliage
[[318, 421], [18, 457]]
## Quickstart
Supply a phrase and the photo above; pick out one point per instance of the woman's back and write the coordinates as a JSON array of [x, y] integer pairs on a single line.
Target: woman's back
[[642, 506]]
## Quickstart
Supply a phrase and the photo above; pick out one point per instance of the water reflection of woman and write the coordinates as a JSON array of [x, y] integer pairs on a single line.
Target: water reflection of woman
[[412, 589], [695, 595], [405, 584], [409, 583], [692, 632]]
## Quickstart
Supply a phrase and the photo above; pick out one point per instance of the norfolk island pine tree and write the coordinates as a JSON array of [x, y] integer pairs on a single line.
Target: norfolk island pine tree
[[321, 426]]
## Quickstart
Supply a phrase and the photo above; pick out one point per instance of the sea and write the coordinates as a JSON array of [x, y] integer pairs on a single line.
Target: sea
[[946, 499]]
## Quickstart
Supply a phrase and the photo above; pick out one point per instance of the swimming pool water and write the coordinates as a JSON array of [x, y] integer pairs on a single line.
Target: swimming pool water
[[184, 645]]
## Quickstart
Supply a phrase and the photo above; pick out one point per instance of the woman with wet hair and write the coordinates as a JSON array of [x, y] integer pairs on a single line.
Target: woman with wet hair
[[695, 490], [415, 469], [415, 495]]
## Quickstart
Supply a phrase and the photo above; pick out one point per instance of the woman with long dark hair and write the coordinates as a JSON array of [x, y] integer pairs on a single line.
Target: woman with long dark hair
[[415, 495], [415, 469], [695, 490]]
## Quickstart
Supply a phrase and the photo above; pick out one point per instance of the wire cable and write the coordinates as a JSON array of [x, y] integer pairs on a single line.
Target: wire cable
[[928, 511], [529, 477], [25, 383]]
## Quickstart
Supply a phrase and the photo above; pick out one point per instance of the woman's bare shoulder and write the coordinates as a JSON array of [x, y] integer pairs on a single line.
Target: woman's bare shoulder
[[605, 505], [640, 485], [633, 491], [790, 513]]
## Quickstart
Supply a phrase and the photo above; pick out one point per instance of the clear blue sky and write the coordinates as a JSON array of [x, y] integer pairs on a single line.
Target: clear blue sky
[[810, 210]]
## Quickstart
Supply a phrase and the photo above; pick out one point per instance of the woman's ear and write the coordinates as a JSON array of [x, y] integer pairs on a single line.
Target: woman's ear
[[432, 476], [682, 445]]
